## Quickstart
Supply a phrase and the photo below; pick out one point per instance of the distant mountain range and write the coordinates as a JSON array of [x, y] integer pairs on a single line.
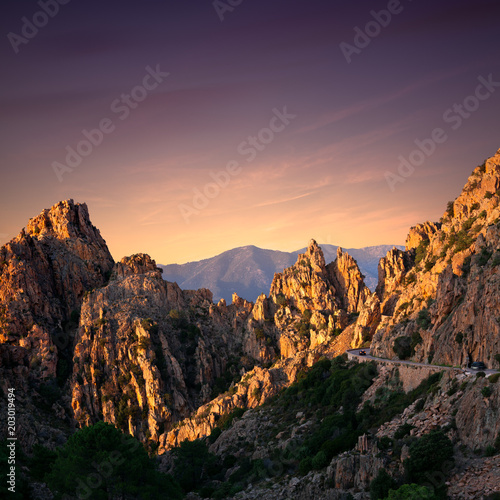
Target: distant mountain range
[[249, 270]]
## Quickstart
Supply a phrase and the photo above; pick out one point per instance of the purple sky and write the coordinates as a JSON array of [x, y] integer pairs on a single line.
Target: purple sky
[[321, 174]]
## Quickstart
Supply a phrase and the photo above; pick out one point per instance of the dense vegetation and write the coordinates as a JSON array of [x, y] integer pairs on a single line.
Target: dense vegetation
[[100, 462]]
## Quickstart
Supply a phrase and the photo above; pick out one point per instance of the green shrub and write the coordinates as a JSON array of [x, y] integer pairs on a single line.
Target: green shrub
[[144, 343], [42, 460], [490, 451], [421, 251], [305, 466], [411, 492], [459, 337], [381, 485], [487, 391], [281, 300], [192, 458], [488, 195], [450, 209], [428, 454], [403, 430], [424, 319], [320, 460], [416, 339], [410, 278], [403, 307], [429, 265], [384, 443], [225, 421], [493, 379], [259, 334], [496, 444]]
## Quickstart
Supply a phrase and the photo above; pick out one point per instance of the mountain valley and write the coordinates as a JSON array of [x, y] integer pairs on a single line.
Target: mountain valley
[[258, 399]]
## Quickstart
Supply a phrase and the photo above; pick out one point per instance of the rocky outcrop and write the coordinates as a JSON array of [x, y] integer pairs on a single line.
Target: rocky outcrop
[[368, 322], [442, 293], [148, 353], [315, 301], [136, 264], [46, 270], [392, 271], [421, 233], [348, 282], [476, 478], [45, 273], [307, 284]]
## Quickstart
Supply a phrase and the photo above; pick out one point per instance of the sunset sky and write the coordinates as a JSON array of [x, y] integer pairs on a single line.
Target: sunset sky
[[235, 74]]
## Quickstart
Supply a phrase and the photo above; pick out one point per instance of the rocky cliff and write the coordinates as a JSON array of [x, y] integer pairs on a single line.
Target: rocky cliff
[[150, 357], [44, 274], [86, 339], [441, 295], [148, 354]]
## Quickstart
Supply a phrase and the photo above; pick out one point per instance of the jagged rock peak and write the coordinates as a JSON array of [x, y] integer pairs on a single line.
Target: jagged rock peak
[[348, 281], [392, 270], [315, 256], [64, 220], [139, 263], [493, 161]]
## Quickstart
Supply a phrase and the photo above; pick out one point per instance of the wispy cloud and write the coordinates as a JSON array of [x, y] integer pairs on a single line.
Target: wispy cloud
[[283, 200], [338, 115]]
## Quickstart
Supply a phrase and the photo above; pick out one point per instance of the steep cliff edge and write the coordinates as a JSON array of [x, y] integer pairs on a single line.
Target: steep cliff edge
[[441, 296], [148, 353], [44, 274]]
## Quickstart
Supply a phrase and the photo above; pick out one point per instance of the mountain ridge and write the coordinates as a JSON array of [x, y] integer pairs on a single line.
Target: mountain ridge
[[84, 339], [232, 271]]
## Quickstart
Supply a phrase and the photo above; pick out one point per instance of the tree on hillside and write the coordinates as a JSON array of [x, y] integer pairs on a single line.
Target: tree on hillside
[[192, 460], [99, 462], [380, 486], [430, 459], [411, 492]]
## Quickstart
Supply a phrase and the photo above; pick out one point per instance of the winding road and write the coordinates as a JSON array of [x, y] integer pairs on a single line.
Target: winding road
[[355, 353]]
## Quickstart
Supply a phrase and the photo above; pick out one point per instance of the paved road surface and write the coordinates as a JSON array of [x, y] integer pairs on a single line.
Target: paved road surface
[[355, 353]]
